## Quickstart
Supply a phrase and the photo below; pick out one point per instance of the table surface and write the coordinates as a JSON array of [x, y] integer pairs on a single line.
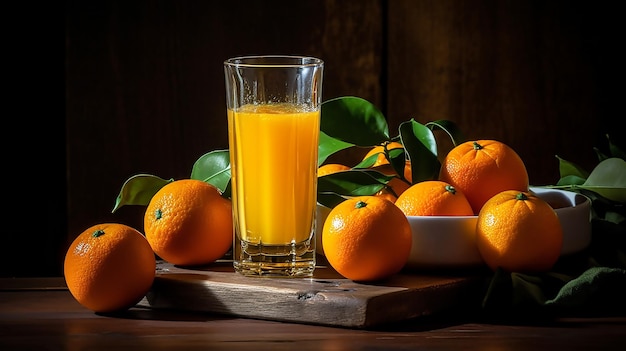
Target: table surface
[[41, 314]]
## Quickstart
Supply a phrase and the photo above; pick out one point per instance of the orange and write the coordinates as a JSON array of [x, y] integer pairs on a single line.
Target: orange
[[366, 238], [380, 150], [331, 168], [482, 169], [434, 198], [188, 222], [395, 186], [518, 232], [109, 267]]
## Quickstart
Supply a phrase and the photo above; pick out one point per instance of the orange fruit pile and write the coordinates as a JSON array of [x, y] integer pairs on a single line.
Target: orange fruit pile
[[433, 198], [483, 168], [109, 267], [396, 185], [188, 222], [366, 238], [518, 232]]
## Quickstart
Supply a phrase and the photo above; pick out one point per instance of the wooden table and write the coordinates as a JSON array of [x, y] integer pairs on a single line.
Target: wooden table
[[41, 314]]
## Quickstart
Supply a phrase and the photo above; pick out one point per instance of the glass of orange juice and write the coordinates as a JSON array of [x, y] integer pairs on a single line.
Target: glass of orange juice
[[273, 110]]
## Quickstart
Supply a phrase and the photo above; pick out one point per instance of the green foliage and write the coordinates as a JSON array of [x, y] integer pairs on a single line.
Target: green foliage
[[354, 122], [214, 168], [138, 190], [332, 188], [605, 185]]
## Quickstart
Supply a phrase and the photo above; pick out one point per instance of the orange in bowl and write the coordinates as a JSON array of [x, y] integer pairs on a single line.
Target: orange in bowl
[[482, 169], [433, 198], [449, 242]]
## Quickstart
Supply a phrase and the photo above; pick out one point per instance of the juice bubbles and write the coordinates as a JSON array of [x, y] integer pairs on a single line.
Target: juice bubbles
[[273, 150]]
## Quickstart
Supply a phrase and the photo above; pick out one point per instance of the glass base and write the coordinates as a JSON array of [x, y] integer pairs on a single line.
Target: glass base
[[285, 261]]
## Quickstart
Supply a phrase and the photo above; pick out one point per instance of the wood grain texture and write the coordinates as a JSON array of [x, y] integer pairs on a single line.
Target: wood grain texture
[[527, 73], [325, 299], [53, 320]]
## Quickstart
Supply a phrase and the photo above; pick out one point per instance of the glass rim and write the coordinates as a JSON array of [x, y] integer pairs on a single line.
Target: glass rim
[[274, 61]]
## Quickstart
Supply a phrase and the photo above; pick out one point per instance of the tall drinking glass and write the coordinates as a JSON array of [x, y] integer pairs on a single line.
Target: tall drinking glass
[[273, 108]]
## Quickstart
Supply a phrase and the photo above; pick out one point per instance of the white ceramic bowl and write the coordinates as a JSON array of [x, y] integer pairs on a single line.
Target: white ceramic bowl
[[447, 242]]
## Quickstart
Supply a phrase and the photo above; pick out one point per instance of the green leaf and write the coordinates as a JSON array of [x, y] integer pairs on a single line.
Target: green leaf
[[615, 217], [608, 179], [421, 146], [570, 180], [354, 120], [138, 190], [213, 168], [329, 200], [350, 183], [567, 168], [450, 128], [615, 150], [367, 162], [598, 290], [328, 146], [397, 159], [601, 155]]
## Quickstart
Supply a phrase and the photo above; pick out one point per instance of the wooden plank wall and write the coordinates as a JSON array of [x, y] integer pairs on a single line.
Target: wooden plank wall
[[542, 76], [144, 86]]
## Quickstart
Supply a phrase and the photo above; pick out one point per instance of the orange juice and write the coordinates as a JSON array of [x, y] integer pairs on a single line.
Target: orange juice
[[273, 154]]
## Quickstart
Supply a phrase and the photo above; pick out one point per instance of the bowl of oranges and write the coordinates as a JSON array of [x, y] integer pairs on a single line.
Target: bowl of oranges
[[481, 211], [448, 242]]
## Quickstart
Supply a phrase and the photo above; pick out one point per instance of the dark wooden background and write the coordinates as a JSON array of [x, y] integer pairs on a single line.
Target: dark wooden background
[[108, 89]]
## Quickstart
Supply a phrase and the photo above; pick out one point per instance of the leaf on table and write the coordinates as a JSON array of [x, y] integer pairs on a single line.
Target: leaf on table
[[139, 190], [598, 290]]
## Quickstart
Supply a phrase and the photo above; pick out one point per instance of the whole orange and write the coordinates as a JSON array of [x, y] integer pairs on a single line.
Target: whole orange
[[433, 198], [482, 169], [109, 267], [366, 238], [188, 222], [380, 150], [518, 232], [331, 168]]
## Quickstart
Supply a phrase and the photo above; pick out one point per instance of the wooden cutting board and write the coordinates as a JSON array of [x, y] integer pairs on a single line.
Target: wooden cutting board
[[326, 299]]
